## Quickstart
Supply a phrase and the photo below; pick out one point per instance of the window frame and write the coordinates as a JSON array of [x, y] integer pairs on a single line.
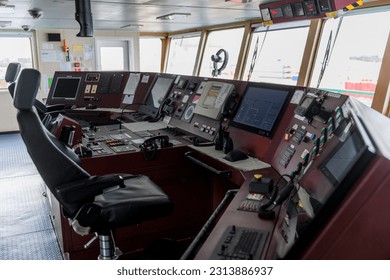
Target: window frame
[[129, 57], [184, 36], [203, 45], [29, 35], [148, 37], [257, 28], [380, 98]]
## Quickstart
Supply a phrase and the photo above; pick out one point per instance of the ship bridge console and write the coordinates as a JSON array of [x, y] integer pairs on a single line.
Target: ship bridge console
[[255, 170]]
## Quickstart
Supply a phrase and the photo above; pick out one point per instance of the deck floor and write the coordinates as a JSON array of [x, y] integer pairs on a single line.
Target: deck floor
[[26, 232]]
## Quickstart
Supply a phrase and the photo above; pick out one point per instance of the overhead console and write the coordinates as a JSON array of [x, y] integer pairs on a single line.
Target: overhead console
[[291, 10]]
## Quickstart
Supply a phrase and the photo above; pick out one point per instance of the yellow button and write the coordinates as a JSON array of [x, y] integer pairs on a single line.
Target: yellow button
[[258, 176]]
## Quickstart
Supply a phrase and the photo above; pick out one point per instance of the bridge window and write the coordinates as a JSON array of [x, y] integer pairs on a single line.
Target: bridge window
[[182, 54], [275, 55], [14, 48], [350, 53], [229, 40], [150, 54]]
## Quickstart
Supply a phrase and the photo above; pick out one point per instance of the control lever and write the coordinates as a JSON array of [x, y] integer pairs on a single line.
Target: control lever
[[89, 243]]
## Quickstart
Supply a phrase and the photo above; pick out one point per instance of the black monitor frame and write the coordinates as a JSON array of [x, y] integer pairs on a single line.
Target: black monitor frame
[[343, 158], [287, 92], [148, 107], [58, 95]]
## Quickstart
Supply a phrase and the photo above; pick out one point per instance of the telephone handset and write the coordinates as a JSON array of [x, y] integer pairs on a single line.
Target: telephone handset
[[167, 107], [154, 142], [230, 105]]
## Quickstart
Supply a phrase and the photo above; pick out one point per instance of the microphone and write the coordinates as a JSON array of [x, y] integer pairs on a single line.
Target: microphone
[[123, 110], [120, 117]]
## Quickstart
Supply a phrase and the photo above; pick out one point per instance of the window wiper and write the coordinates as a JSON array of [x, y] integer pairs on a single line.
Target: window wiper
[[328, 52], [256, 52], [325, 60]]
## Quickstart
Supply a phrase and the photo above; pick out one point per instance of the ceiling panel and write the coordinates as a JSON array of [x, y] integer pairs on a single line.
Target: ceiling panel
[[114, 14]]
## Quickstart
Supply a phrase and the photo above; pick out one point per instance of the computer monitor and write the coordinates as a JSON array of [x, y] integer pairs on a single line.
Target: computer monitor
[[66, 88], [343, 158], [213, 97], [261, 108], [156, 95]]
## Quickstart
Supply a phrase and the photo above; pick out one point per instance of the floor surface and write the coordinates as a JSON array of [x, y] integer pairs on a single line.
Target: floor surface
[[26, 232]]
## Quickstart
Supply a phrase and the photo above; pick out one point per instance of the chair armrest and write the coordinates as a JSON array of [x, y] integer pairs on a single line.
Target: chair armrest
[[86, 189], [55, 107]]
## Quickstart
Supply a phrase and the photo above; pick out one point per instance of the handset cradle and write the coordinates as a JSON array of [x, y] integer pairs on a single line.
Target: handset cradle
[[155, 142]]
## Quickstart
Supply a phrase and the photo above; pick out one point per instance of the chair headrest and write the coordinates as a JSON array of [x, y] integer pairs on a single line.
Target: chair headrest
[[12, 72], [26, 89]]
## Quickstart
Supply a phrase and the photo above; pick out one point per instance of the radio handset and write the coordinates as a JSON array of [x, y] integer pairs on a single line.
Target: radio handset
[[152, 143], [229, 105], [167, 108]]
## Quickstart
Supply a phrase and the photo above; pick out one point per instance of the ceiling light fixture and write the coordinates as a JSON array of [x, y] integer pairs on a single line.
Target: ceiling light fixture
[[131, 26], [7, 9], [5, 23], [173, 16], [239, 1]]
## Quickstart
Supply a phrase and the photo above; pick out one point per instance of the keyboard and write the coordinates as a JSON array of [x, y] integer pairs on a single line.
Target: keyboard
[[239, 243]]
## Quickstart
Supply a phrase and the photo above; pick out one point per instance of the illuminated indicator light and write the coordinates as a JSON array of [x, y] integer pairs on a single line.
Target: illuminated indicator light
[[314, 151], [277, 12]]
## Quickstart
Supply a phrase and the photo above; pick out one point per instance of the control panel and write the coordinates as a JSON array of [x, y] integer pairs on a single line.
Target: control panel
[[315, 138], [309, 134], [197, 106], [321, 145], [105, 89]]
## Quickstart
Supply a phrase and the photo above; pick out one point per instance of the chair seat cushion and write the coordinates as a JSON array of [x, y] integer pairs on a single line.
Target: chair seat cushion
[[140, 199]]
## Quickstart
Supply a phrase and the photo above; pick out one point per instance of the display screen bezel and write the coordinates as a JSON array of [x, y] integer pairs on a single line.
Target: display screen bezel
[[336, 174], [287, 90], [148, 107], [75, 91]]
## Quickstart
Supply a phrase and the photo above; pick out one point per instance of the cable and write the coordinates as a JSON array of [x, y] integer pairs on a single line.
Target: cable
[[275, 200], [123, 109]]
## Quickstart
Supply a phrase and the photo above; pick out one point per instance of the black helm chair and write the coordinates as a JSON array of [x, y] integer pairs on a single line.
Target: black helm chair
[[11, 75], [43, 110], [91, 203]]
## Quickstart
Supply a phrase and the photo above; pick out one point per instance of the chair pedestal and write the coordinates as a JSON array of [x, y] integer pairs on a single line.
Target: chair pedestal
[[108, 251]]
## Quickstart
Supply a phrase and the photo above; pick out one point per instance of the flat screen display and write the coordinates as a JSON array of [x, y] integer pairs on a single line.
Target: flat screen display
[[157, 94], [66, 88], [261, 107], [339, 163]]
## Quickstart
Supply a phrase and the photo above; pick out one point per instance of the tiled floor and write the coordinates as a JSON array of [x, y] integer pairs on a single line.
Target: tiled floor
[[26, 232]]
